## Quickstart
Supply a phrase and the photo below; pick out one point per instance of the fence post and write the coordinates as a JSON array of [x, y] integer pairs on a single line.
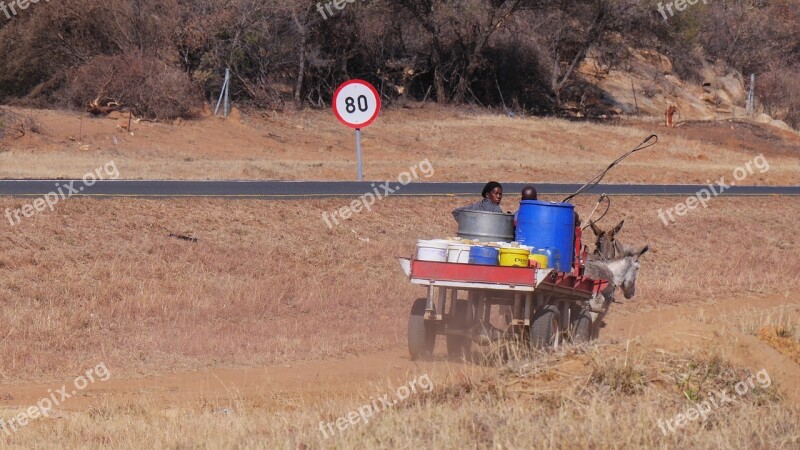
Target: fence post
[[227, 109], [224, 96], [751, 99]]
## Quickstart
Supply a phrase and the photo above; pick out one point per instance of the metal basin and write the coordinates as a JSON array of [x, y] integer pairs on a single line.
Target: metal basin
[[486, 226]]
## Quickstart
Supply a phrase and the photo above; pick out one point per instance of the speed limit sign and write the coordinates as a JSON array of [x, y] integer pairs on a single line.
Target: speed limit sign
[[356, 104]]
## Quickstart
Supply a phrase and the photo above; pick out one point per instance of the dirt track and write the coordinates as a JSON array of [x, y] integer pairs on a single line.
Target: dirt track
[[669, 330]]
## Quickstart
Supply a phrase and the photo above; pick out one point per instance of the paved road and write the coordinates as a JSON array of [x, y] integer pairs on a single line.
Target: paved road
[[277, 190]]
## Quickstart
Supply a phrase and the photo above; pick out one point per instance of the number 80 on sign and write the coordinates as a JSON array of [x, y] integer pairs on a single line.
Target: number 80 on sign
[[356, 103]]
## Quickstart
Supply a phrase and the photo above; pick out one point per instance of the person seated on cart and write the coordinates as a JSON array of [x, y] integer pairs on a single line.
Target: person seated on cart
[[492, 195], [528, 193], [576, 239]]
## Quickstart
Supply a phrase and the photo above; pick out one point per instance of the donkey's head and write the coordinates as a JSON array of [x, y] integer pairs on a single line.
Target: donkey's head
[[605, 242], [626, 269]]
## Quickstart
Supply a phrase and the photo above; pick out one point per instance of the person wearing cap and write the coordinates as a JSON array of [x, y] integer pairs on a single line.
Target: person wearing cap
[[492, 194]]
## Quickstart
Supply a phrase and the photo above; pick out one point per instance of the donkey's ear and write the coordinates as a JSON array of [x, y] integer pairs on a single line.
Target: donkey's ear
[[617, 228], [597, 231], [642, 251]]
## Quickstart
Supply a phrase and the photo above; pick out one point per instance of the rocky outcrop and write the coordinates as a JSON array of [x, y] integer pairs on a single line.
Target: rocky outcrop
[[648, 86]]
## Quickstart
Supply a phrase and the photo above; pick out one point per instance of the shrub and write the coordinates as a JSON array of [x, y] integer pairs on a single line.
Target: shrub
[[148, 86], [16, 125], [778, 91]]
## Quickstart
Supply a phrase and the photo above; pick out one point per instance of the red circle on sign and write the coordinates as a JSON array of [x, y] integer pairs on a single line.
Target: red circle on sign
[[374, 114]]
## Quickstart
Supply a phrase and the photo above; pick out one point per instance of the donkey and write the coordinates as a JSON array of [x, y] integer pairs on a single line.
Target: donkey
[[621, 272], [605, 248]]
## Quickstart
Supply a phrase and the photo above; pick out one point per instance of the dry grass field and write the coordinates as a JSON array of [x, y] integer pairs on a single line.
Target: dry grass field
[[271, 323], [268, 282], [462, 144], [271, 326]]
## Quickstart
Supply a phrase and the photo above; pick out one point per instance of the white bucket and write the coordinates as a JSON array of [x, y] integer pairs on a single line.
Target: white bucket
[[458, 253], [435, 250]]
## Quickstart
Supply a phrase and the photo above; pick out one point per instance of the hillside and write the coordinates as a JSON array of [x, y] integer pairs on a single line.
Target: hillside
[[164, 59]]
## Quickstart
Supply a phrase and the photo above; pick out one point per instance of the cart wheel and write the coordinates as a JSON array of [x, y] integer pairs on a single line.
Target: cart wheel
[[581, 328], [421, 336], [546, 328], [459, 347]]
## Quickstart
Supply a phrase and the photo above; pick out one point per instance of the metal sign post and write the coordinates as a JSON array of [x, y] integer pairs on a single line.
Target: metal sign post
[[751, 99], [356, 104], [358, 154]]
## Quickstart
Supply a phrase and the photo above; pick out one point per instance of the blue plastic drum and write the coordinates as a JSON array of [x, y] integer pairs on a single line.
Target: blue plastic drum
[[547, 224]]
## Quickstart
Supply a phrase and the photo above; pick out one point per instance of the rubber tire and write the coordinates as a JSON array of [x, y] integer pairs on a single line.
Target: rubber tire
[[459, 347], [545, 329], [421, 337], [581, 328]]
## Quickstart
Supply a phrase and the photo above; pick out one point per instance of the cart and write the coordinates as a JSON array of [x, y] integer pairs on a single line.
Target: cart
[[546, 306]]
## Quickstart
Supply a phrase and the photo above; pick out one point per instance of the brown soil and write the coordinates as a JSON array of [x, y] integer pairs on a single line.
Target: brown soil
[[461, 144], [667, 330], [776, 338], [270, 314], [102, 280]]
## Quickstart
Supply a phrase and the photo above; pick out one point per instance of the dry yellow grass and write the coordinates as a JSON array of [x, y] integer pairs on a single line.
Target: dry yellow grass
[[269, 284], [607, 398], [778, 327], [462, 144], [783, 340]]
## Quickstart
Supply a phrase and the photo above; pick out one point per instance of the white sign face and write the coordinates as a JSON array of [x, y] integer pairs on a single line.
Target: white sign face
[[356, 103]]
